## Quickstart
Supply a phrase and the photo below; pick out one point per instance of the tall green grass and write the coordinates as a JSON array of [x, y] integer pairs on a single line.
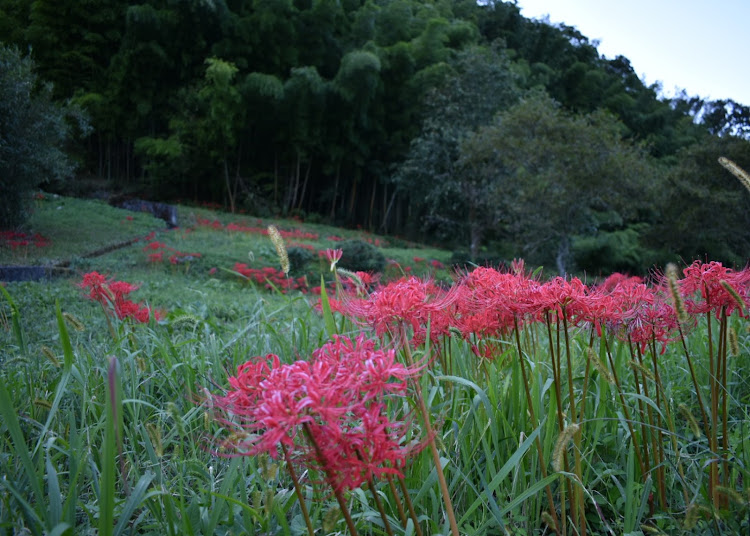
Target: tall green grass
[[108, 433]]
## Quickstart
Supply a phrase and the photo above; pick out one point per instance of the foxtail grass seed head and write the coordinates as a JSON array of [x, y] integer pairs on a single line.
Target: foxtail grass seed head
[[74, 322], [599, 366], [692, 422], [737, 171], [562, 442], [49, 354], [351, 275], [647, 373], [547, 518], [734, 343], [692, 516], [154, 434], [679, 304], [278, 243], [731, 494], [733, 293], [42, 403]]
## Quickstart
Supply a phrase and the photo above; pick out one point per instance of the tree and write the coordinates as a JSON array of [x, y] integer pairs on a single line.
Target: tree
[[33, 131], [706, 210], [444, 193], [551, 175]]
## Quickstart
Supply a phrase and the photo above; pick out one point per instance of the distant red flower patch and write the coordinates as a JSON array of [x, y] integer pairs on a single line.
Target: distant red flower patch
[[15, 240], [112, 297], [156, 251], [308, 247], [271, 278], [296, 234]]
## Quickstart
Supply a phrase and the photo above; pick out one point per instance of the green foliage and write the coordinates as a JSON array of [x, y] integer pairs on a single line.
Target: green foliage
[[354, 111], [705, 211], [33, 131], [539, 159], [299, 259], [361, 256]]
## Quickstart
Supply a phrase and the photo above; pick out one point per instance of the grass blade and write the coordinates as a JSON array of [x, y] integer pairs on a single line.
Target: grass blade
[[136, 498], [107, 478], [15, 320], [19, 444], [325, 304]]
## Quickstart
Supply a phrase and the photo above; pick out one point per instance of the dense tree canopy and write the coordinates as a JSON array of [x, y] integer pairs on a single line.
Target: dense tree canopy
[[33, 132], [363, 111]]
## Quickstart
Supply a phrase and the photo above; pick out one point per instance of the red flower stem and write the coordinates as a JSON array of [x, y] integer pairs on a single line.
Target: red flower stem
[[626, 412], [706, 424], [397, 499], [379, 504], [713, 441], [331, 482], [298, 490], [410, 506], [578, 506], [534, 423], [724, 393], [431, 439]]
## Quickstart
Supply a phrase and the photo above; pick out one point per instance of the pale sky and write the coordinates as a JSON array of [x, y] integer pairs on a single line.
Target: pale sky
[[700, 46]]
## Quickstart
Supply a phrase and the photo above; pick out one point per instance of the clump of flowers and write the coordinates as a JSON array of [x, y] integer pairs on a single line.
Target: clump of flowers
[[16, 239], [329, 413], [271, 278], [158, 251], [296, 234], [112, 296]]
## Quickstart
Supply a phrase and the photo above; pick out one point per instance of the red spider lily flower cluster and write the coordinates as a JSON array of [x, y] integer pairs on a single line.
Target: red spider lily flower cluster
[[706, 287], [330, 412], [16, 239], [157, 251], [296, 234], [488, 304], [112, 296], [269, 278], [411, 302]]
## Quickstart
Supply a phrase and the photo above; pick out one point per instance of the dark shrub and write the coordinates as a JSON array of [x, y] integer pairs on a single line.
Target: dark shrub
[[359, 256], [299, 258]]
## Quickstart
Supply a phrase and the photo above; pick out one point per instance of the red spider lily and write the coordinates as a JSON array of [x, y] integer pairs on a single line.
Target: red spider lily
[[96, 284], [15, 240], [567, 298], [705, 280], [655, 322], [111, 295], [333, 256], [271, 277], [499, 299], [337, 398], [155, 246], [405, 302]]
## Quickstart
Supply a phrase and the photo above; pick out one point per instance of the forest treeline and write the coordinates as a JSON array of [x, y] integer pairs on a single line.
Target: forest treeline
[[451, 121]]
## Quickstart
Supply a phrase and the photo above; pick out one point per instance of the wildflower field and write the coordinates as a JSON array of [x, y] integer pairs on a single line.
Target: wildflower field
[[192, 382]]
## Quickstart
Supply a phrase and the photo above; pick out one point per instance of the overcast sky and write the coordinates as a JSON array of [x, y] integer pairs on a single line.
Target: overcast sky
[[697, 45]]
